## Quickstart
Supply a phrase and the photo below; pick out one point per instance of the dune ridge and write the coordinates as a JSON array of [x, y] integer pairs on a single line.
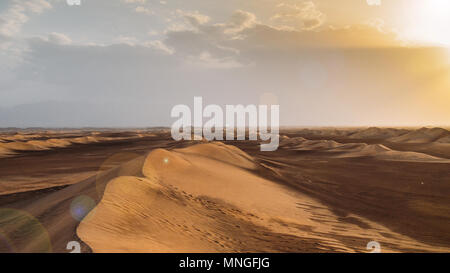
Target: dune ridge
[[343, 150], [396, 135], [423, 135], [15, 144], [378, 133]]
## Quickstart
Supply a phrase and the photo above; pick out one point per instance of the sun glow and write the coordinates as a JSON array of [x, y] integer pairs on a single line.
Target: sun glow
[[429, 22]]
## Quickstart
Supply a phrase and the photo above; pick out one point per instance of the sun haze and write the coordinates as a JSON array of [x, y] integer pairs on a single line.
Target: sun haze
[[113, 63]]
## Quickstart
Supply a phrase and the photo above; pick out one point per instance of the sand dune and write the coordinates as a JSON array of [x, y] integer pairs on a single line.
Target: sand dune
[[346, 150], [17, 143], [221, 152], [5, 152], [445, 140], [423, 135], [395, 135], [300, 143], [378, 133], [188, 201], [382, 152], [326, 132], [308, 196], [360, 149]]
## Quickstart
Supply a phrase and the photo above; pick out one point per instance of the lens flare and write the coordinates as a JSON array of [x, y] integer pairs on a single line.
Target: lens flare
[[81, 206], [21, 232]]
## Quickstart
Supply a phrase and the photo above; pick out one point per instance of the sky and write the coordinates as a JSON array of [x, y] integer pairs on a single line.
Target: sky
[[126, 63]]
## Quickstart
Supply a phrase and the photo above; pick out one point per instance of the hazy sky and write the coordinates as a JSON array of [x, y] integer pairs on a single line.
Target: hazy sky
[[128, 62]]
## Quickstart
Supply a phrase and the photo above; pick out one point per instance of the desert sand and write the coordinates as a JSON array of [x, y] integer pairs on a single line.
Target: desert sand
[[11, 144], [323, 190]]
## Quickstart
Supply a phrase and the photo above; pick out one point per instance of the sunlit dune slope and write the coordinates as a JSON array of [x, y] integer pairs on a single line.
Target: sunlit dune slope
[[208, 198]]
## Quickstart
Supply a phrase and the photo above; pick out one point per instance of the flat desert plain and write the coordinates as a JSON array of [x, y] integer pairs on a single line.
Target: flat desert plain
[[323, 190]]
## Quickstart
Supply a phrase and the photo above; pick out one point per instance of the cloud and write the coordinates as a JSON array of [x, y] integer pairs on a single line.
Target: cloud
[[135, 1], [144, 10], [208, 40], [81, 71], [36, 6], [120, 85], [159, 45], [358, 36], [11, 21], [245, 40], [194, 18], [59, 38], [240, 20], [377, 23], [126, 40], [53, 38], [315, 72], [206, 60], [17, 14], [304, 15]]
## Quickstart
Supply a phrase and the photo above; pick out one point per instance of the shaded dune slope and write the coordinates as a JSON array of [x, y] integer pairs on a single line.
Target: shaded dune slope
[[52, 208]]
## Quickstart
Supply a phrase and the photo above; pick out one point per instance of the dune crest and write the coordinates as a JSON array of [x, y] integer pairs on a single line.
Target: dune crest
[[161, 160], [219, 151]]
